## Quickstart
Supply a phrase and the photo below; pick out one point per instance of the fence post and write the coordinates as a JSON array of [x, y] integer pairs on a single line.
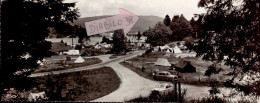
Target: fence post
[[175, 91], [180, 98]]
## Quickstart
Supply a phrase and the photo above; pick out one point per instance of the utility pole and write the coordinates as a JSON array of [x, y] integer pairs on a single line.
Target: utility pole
[[72, 41], [175, 91]]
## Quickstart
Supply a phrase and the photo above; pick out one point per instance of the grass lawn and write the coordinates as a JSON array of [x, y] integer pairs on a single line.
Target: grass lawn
[[148, 60], [54, 65], [79, 86]]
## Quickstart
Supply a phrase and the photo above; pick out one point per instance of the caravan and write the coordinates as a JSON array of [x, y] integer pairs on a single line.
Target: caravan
[[72, 52]]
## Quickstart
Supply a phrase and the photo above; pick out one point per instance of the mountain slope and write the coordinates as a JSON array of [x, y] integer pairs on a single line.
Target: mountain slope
[[141, 25]]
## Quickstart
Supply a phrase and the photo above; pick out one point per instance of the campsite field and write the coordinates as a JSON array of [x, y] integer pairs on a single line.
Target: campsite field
[[60, 63], [79, 86], [147, 61]]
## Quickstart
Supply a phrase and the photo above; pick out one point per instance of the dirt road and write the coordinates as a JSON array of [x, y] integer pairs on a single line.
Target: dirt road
[[132, 85]]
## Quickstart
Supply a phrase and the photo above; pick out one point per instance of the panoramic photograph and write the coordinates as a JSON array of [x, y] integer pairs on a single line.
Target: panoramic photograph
[[181, 51]]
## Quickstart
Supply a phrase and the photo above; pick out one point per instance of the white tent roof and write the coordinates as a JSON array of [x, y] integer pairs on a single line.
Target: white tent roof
[[97, 46], [147, 45], [40, 63], [165, 47], [79, 60], [162, 62], [177, 49]]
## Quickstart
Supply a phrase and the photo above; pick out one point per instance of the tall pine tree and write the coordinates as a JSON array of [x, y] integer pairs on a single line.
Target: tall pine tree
[[119, 42], [180, 27], [167, 20]]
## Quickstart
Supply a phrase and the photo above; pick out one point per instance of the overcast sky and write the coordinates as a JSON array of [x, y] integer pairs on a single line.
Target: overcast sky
[[88, 8]]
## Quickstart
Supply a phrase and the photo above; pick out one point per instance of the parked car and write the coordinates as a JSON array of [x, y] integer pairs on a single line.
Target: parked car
[[163, 89], [164, 75]]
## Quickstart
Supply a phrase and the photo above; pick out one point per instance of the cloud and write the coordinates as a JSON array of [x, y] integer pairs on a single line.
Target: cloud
[[88, 8]]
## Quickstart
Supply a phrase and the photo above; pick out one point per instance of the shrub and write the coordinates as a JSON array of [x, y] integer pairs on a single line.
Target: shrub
[[157, 97], [149, 51]]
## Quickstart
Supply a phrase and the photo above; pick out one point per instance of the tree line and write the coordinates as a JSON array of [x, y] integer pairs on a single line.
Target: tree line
[[170, 30]]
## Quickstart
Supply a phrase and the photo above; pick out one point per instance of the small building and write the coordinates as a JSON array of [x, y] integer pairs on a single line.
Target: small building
[[72, 52], [184, 67], [59, 48]]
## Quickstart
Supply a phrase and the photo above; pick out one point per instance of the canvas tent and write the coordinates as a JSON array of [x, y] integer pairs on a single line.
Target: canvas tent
[[162, 62], [165, 47], [176, 49], [36, 96], [97, 46], [107, 46], [184, 66], [147, 46], [40, 63], [79, 60]]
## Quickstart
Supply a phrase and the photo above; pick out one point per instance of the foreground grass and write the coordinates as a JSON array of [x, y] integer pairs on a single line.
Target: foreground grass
[[79, 86], [157, 97], [170, 97], [62, 65]]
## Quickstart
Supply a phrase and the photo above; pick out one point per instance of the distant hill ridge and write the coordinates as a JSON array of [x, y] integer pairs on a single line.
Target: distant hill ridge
[[142, 24]]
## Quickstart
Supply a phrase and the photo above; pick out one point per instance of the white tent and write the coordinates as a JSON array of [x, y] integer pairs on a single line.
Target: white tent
[[97, 46], [107, 46], [162, 62], [79, 60], [176, 49], [40, 63], [165, 47], [139, 44], [147, 45], [36, 96]]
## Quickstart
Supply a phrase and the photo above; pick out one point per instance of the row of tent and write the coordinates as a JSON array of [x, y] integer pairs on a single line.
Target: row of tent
[[78, 60], [168, 49], [181, 66]]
